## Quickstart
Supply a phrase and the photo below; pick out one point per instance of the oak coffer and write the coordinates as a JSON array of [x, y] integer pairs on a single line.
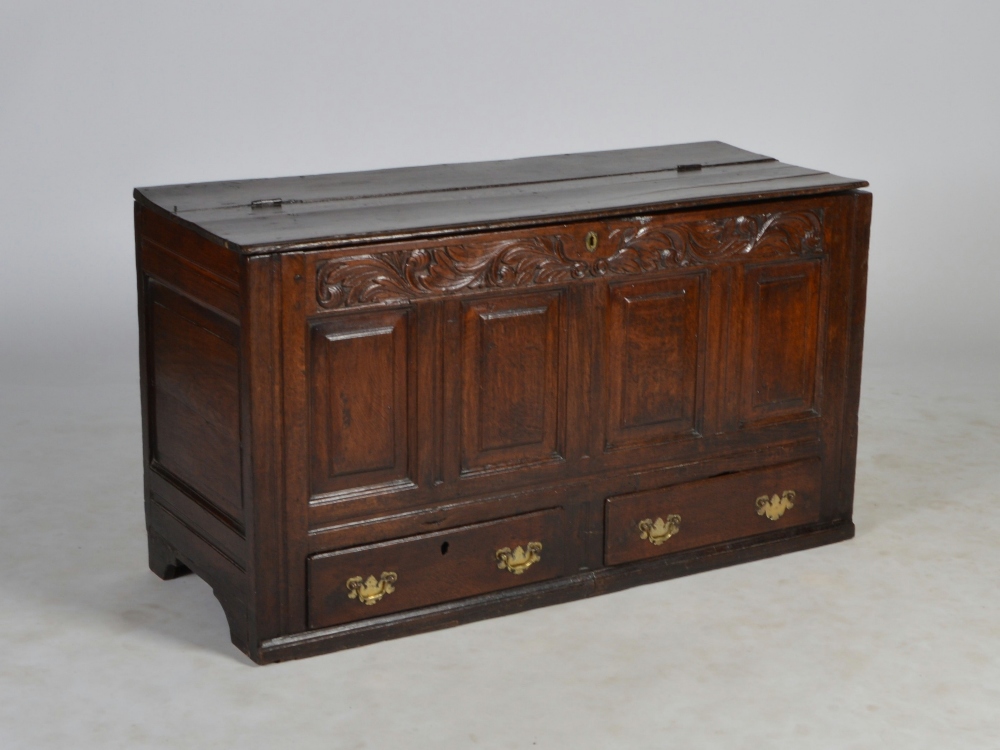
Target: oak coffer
[[381, 403]]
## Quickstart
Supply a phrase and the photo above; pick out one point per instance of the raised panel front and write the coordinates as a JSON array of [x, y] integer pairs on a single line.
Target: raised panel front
[[781, 359], [655, 340], [359, 400], [512, 377]]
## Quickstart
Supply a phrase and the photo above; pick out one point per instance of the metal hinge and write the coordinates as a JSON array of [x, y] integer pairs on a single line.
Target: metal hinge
[[266, 203]]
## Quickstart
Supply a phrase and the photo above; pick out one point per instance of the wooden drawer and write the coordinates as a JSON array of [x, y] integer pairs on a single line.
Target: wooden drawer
[[685, 516], [402, 574]]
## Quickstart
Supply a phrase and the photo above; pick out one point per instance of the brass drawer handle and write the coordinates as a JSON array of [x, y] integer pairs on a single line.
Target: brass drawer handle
[[370, 591], [775, 507], [659, 531], [519, 560]]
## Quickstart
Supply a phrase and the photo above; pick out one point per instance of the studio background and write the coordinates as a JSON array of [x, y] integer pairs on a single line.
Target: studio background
[[98, 98]]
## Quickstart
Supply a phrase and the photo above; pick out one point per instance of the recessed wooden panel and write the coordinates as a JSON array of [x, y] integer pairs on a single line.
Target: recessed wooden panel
[[512, 379], [654, 342], [195, 432], [359, 400], [780, 363]]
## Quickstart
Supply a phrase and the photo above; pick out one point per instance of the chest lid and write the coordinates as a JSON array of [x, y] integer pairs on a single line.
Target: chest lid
[[297, 213]]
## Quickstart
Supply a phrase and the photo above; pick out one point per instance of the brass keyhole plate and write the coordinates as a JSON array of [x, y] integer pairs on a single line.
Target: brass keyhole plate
[[591, 242]]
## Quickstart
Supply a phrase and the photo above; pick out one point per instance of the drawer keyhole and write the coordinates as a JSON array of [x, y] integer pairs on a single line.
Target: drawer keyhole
[[444, 548]]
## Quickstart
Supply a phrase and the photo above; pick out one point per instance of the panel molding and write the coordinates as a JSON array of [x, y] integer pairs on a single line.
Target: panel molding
[[677, 310], [513, 373], [361, 402], [781, 365]]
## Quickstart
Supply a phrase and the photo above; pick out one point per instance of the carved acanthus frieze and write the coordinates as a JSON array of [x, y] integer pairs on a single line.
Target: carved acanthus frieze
[[640, 247]]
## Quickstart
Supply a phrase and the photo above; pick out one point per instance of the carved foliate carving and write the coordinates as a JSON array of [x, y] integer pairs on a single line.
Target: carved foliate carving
[[640, 247], [399, 275], [650, 248]]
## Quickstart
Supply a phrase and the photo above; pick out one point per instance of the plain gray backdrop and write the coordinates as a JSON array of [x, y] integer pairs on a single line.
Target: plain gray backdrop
[[888, 641], [97, 98]]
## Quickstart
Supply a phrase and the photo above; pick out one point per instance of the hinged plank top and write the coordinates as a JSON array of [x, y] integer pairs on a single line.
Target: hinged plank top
[[293, 213]]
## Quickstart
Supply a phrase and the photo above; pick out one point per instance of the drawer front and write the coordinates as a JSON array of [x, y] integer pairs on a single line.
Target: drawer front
[[402, 574], [685, 516]]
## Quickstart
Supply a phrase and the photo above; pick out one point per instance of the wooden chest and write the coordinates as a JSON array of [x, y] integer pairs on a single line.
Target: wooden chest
[[381, 403]]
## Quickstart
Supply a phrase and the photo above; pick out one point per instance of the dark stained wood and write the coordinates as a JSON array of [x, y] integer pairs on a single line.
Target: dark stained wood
[[400, 203], [194, 552], [437, 567], [782, 312], [543, 350], [859, 227], [556, 591], [589, 492], [512, 377], [171, 270], [711, 511], [194, 405], [446, 177], [163, 558], [191, 509], [359, 415], [296, 494], [262, 436], [655, 359], [164, 234]]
